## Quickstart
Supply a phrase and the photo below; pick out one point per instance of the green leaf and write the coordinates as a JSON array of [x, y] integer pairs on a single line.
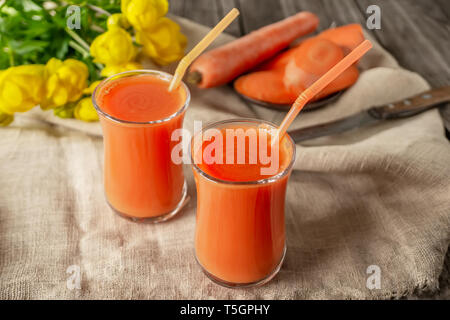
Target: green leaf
[[65, 111], [24, 47], [61, 52]]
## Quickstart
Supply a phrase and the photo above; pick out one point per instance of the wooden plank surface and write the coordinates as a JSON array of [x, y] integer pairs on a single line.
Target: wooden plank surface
[[416, 32]]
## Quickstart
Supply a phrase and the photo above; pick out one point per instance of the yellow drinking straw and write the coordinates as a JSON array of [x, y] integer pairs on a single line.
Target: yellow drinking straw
[[205, 42], [320, 84]]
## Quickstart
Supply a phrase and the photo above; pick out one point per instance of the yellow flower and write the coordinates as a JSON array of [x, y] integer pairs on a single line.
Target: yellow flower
[[110, 70], [117, 20], [91, 88], [5, 119], [164, 43], [85, 110], [142, 14], [64, 82], [113, 47], [21, 88]]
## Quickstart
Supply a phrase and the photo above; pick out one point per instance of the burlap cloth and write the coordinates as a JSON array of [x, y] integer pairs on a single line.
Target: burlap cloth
[[376, 196]]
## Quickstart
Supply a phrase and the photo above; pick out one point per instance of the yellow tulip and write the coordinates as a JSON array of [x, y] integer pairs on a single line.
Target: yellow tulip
[[142, 14], [5, 119], [21, 88], [64, 82], [117, 20], [164, 43], [114, 47], [85, 110], [110, 70]]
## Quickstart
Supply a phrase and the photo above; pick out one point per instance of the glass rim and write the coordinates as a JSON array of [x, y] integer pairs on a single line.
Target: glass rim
[[251, 182], [162, 75]]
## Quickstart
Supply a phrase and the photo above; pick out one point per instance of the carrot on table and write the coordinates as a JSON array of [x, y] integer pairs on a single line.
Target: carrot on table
[[223, 64]]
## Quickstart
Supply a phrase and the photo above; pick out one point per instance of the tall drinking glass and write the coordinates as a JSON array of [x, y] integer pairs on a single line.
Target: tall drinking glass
[[240, 227], [137, 116]]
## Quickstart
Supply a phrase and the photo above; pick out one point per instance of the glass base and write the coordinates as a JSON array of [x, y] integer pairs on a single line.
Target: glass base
[[233, 285], [161, 218]]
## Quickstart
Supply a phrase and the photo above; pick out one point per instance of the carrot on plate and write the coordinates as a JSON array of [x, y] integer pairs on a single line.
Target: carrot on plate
[[347, 37], [294, 71], [312, 60], [266, 85], [316, 56], [223, 64], [343, 81]]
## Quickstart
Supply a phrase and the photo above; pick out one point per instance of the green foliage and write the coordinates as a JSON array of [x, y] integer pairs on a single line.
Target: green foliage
[[32, 31], [65, 111]]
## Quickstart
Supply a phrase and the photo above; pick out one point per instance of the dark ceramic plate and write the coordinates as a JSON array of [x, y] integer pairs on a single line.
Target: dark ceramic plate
[[284, 107]]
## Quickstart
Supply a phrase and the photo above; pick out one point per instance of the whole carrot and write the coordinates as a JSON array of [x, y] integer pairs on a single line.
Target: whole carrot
[[223, 64]]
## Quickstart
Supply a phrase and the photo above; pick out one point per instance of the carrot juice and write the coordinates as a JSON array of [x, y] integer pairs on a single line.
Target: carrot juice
[[138, 116], [240, 226]]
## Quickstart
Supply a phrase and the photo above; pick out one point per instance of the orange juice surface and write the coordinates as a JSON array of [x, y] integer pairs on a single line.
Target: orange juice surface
[[141, 180], [249, 169], [140, 99], [240, 231]]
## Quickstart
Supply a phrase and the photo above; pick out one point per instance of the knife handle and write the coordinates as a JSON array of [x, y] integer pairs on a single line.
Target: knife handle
[[413, 105]]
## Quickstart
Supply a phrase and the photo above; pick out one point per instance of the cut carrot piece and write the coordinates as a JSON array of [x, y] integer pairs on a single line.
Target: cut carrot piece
[[345, 80], [347, 37], [281, 79], [316, 56], [309, 62], [313, 59], [264, 86]]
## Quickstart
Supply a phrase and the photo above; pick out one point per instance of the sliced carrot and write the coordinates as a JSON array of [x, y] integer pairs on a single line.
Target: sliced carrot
[[281, 79], [310, 61], [316, 56], [223, 64], [264, 86], [348, 37], [345, 80]]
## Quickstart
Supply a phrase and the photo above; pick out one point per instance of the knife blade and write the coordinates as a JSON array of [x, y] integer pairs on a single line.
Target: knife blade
[[402, 109]]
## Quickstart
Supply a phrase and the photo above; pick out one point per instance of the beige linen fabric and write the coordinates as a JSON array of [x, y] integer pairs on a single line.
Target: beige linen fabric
[[375, 196]]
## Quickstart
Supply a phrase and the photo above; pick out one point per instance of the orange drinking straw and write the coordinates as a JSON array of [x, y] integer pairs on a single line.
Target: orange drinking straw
[[205, 42], [320, 84]]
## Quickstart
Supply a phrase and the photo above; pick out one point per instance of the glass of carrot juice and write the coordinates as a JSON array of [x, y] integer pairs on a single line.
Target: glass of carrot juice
[[137, 116], [240, 226]]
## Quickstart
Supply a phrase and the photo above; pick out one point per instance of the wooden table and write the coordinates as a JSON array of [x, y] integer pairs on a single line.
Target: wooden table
[[416, 32]]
